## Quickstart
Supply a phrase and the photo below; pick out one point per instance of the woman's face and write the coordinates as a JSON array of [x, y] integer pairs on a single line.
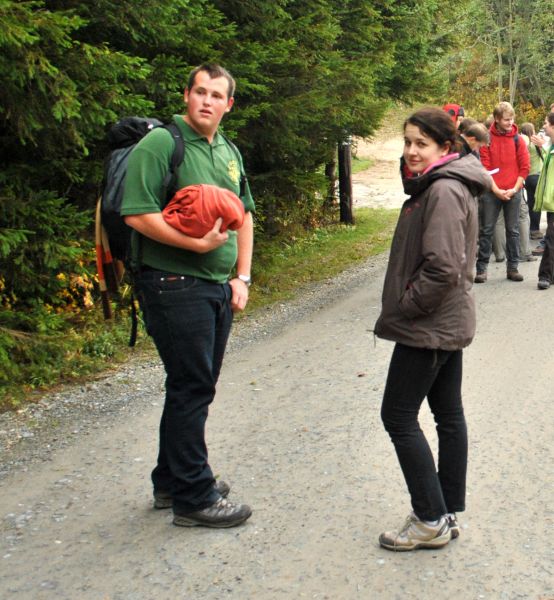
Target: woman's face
[[420, 150]]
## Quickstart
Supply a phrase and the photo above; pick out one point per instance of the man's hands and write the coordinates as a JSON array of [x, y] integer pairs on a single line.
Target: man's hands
[[239, 296], [214, 238]]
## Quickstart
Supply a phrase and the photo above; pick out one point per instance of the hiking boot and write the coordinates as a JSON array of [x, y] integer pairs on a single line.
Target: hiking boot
[[543, 284], [514, 275], [538, 251], [163, 499], [417, 534], [481, 277], [453, 524], [536, 235], [530, 258], [222, 513]]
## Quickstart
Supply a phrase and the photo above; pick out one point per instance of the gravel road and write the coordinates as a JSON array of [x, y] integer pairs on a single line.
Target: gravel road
[[296, 431]]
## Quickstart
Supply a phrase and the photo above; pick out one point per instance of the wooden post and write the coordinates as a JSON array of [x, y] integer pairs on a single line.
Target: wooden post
[[345, 181]]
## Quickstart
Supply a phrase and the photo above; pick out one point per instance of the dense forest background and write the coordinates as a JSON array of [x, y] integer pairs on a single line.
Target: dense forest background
[[309, 73]]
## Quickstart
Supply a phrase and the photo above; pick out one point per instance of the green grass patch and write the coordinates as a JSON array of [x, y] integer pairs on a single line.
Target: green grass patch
[[82, 347], [283, 265], [361, 164]]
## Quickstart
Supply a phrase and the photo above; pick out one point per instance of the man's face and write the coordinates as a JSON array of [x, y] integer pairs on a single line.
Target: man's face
[[207, 102], [505, 122], [549, 129]]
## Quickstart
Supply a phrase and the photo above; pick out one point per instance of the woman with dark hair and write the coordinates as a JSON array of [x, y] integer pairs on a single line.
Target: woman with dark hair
[[428, 310], [537, 158]]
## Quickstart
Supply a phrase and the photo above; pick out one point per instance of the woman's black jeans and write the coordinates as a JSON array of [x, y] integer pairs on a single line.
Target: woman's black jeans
[[415, 373], [189, 320], [530, 187]]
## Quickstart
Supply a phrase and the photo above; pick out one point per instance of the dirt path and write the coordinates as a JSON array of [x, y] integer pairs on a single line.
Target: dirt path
[[296, 430], [379, 186]]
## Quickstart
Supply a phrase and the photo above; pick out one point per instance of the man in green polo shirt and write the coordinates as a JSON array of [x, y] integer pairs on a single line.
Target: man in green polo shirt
[[188, 289]]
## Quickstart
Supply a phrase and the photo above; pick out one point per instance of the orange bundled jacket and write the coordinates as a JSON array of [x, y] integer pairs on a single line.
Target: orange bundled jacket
[[194, 209]]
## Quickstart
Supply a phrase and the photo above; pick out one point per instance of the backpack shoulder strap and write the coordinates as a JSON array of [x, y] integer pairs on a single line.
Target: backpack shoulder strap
[[179, 151], [177, 158]]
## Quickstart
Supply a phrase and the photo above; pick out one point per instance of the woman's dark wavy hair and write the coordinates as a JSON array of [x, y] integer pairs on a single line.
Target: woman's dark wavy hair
[[436, 124]]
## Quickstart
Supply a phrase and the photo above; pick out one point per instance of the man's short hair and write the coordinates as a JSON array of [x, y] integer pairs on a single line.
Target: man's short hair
[[501, 109], [213, 71], [479, 132], [550, 117]]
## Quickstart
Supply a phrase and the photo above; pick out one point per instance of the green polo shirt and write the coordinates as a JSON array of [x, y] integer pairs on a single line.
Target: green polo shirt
[[216, 164]]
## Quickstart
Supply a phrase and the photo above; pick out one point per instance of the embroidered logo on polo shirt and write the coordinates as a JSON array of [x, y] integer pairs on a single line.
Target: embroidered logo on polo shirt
[[234, 171]]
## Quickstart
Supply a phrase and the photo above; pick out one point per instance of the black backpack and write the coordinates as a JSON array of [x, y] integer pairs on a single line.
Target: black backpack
[[113, 236]]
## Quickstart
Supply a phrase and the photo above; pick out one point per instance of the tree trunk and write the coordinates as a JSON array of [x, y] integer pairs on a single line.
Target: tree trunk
[[499, 54], [345, 182]]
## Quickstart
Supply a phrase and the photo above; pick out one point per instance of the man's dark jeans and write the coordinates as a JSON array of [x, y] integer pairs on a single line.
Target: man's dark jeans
[[489, 209], [189, 320], [413, 374]]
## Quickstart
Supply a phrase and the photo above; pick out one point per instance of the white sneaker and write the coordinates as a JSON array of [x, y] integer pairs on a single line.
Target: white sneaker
[[417, 534]]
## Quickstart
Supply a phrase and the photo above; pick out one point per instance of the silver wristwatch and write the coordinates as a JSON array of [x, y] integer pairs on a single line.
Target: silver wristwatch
[[245, 278]]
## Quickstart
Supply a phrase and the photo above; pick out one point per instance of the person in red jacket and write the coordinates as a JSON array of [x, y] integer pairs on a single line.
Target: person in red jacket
[[506, 154], [456, 112]]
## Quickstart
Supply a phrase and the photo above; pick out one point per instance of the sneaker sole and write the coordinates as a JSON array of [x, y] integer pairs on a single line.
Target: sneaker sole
[[438, 542], [182, 521]]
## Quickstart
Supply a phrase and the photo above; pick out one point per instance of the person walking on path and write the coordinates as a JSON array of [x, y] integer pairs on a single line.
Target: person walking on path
[[507, 154], [188, 293], [544, 200], [536, 156], [428, 310]]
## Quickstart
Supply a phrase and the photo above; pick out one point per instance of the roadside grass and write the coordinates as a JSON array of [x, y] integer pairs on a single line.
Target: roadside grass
[[361, 164], [88, 347], [283, 266]]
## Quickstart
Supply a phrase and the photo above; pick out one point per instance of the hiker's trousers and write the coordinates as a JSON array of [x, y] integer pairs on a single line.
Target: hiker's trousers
[[546, 267], [415, 373], [489, 209], [189, 320]]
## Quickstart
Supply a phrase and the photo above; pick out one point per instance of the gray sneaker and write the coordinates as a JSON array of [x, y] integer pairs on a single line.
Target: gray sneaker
[[163, 499], [417, 534], [222, 513], [543, 284], [453, 524]]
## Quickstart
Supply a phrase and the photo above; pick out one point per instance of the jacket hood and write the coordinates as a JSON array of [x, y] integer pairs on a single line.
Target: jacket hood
[[466, 169], [512, 133]]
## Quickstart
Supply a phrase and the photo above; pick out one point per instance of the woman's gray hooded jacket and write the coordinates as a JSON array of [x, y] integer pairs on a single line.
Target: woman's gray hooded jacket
[[427, 296]]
